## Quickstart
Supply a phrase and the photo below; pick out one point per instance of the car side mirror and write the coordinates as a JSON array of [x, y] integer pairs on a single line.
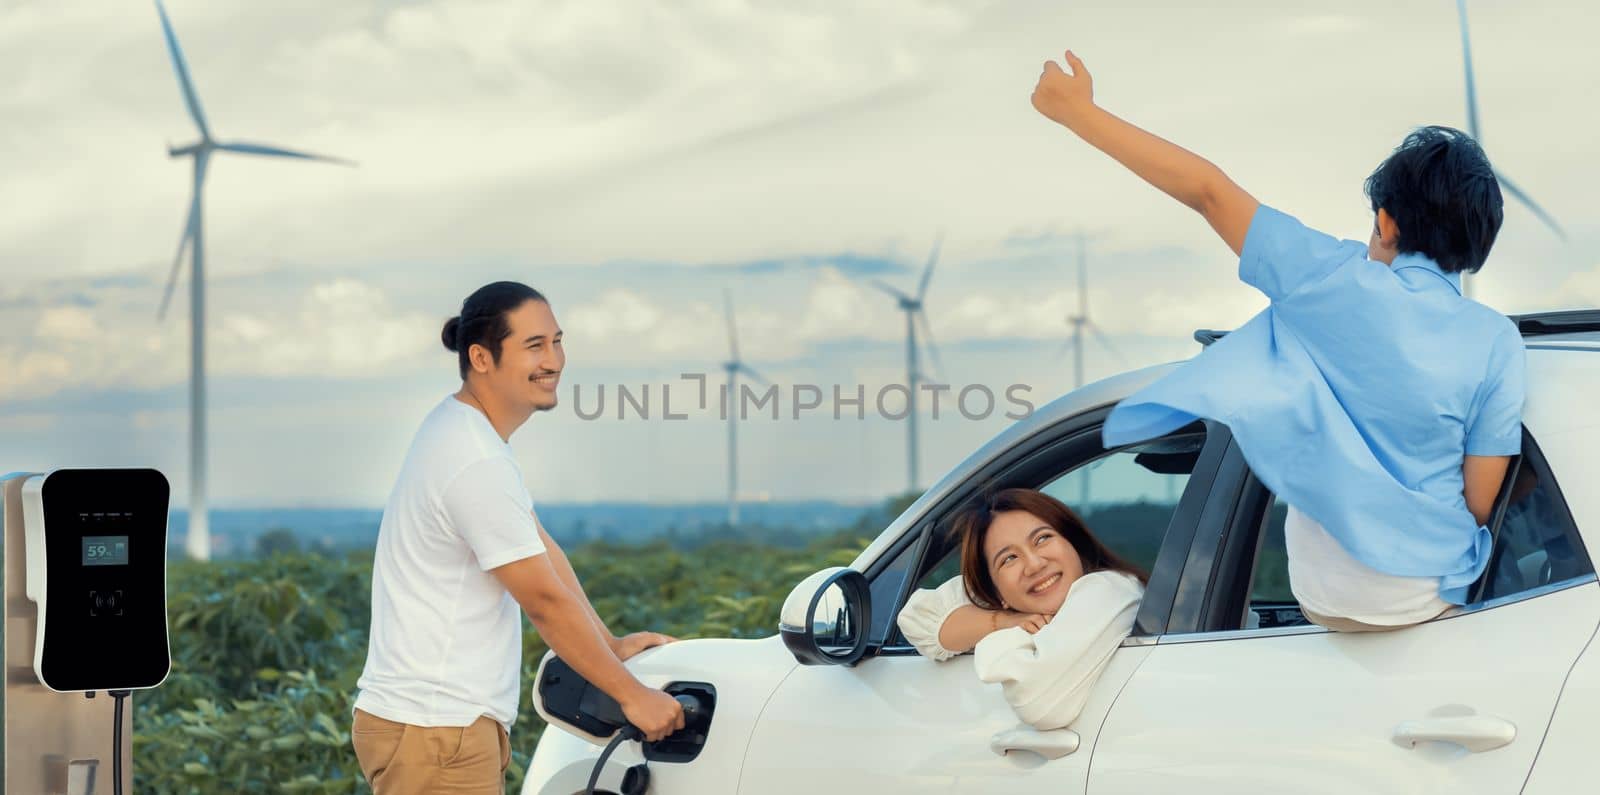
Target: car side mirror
[[825, 620]]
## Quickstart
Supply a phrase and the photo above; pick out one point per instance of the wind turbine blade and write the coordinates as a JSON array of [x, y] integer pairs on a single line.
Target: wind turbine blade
[[1106, 342], [246, 148], [927, 270], [927, 340], [1538, 211], [890, 289], [1472, 86], [1066, 347], [181, 66], [753, 375], [177, 261]]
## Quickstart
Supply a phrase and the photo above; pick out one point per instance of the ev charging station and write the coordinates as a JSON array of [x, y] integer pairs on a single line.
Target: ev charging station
[[86, 623]]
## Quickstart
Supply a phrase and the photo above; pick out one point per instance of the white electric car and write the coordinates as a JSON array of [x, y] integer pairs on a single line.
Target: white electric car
[[1223, 687]]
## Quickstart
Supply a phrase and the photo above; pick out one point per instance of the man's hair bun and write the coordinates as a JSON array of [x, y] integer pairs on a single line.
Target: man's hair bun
[[485, 322], [450, 334]]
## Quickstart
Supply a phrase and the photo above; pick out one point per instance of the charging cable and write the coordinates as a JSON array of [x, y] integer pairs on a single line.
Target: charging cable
[[640, 781], [627, 733], [116, 739]]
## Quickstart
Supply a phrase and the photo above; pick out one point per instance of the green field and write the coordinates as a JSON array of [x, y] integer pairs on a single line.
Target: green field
[[266, 652]]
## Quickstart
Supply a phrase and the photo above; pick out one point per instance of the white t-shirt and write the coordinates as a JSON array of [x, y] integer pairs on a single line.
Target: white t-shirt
[[446, 640], [1326, 580]]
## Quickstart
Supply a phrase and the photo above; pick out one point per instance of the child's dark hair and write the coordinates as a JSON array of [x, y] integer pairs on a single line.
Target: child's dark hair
[[483, 320], [1440, 190]]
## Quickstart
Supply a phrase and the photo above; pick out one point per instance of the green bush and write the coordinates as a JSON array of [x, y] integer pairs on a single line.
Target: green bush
[[266, 653]]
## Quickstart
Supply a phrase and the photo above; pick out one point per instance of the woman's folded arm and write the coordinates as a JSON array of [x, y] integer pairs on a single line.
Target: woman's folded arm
[[1047, 676], [924, 616]]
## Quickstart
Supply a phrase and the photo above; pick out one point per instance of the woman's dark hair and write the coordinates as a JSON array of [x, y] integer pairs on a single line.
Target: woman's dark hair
[[483, 320], [1442, 193], [971, 525]]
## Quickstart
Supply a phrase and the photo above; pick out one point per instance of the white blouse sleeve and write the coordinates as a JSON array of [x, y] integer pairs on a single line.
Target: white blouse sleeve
[[925, 613], [1047, 676]]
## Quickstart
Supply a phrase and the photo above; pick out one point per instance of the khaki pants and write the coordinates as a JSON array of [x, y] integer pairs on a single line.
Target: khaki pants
[[401, 759], [1351, 625]]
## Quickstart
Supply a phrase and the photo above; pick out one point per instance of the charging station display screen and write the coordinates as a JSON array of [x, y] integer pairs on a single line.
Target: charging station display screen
[[105, 550], [105, 534]]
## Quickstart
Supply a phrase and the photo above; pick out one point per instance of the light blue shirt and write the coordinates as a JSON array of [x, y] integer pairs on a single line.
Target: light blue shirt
[[1354, 396]]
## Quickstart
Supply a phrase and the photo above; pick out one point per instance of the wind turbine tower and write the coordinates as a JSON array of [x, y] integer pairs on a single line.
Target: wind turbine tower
[[198, 543], [915, 318], [1080, 324], [733, 367]]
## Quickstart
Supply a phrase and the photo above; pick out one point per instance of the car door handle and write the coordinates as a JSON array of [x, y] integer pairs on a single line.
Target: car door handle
[[1050, 744], [1476, 733]]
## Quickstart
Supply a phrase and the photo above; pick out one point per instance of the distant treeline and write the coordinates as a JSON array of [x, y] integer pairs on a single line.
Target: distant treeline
[[249, 533], [1135, 529]]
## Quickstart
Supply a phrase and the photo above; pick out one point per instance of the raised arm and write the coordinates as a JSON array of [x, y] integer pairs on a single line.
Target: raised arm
[[1068, 99]]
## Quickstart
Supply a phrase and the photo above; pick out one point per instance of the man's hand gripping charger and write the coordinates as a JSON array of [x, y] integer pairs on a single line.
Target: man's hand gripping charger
[[568, 700]]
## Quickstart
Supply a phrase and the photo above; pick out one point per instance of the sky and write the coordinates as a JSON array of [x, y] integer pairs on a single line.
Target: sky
[[634, 160]]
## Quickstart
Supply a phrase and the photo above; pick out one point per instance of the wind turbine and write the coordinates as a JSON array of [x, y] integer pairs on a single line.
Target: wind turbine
[[1081, 323], [1472, 129], [198, 543], [733, 367], [912, 306]]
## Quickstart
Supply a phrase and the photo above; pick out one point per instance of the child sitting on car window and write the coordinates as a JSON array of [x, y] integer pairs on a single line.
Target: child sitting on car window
[[1373, 398], [1042, 602]]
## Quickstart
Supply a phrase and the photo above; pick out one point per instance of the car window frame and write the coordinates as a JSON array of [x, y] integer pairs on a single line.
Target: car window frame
[[1223, 565], [1079, 434]]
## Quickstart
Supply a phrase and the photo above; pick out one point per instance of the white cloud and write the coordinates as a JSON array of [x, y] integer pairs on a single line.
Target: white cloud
[[1581, 289], [838, 307], [505, 135], [32, 373], [29, 422], [344, 328], [340, 328], [1322, 25], [622, 326], [616, 314], [73, 323], [1016, 314]]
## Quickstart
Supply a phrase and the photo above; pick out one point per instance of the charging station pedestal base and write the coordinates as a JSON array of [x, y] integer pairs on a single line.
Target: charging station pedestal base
[[54, 743]]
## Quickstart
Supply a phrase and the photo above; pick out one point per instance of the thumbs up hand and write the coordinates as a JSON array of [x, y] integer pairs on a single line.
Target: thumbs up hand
[[1061, 95]]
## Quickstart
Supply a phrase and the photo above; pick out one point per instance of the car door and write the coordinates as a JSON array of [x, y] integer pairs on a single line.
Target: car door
[[900, 723], [1456, 705]]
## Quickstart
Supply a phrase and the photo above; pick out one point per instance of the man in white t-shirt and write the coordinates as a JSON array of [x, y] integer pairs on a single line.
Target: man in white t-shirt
[[459, 550]]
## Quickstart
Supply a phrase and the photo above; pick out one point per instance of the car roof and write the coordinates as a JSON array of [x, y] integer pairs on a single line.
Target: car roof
[[1579, 325], [1541, 330]]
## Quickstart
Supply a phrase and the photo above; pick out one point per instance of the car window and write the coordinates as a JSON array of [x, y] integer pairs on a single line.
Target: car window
[[1536, 544], [1271, 601], [1126, 497], [886, 586]]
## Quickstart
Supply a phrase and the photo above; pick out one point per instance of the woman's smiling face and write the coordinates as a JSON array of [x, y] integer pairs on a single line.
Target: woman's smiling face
[[1031, 564]]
